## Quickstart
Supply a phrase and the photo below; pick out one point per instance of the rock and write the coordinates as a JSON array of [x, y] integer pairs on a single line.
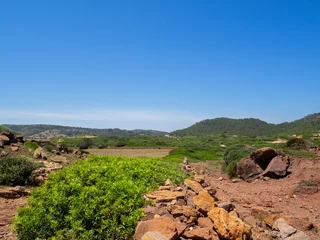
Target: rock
[[149, 212], [204, 202], [19, 138], [63, 149], [236, 180], [4, 139], [75, 151], [277, 167], [153, 236], [220, 178], [248, 169], [180, 227], [205, 222], [282, 229], [168, 183], [183, 210], [251, 220], [39, 180], [263, 156], [227, 206], [3, 154], [229, 227], [200, 234], [266, 178], [163, 225], [164, 195], [211, 190], [272, 218], [10, 136], [298, 236], [165, 188], [199, 178], [15, 148], [193, 185], [39, 153], [189, 197], [185, 161]]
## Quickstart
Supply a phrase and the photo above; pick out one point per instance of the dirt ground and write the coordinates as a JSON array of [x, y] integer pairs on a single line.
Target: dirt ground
[[132, 152], [290, 197]]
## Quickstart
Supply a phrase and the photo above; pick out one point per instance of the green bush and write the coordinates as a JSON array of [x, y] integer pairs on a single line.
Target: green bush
[[49, 148], [31, 145], [16, 171], [317, 142], [232, 156], [192, 154], [297, 143], [100, 198], [235, 153], [85, 143]]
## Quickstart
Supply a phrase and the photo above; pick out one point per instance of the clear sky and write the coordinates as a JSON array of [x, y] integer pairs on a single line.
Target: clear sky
[[160, 64]]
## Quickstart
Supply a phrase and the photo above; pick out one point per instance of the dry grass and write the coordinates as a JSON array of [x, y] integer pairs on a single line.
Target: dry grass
[[132, 152]]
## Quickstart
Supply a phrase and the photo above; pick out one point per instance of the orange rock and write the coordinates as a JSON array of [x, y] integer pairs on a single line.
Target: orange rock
[[193, 185], [163, 225], [228, 226], [204, 202], [201, 233], [164, 195], [153, 236], [205, 222]]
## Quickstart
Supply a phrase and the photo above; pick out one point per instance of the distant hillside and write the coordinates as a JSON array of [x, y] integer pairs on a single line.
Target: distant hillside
[[52, 131], [250, 127]]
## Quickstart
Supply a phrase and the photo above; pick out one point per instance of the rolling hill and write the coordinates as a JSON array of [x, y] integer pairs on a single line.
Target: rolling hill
[[42, 131], [250, 127]]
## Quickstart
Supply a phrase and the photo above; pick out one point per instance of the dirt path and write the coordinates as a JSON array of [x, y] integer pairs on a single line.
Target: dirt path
[[280, 196], [8, 209]]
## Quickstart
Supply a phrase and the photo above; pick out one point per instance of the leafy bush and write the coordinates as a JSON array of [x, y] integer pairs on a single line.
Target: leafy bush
[[49, 148], [231, 157], [317, 142], [297, 143], [100, 198], [16, 171], [31, 145], [85, 143], [235, 153]]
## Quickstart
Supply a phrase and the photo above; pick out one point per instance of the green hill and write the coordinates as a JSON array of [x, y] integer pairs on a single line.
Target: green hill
[[43, 131], [250, 127]]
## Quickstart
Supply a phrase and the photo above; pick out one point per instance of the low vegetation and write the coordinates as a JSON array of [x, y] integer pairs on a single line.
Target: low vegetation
[[100, 198], [16, 171], [31, 145], [232, 156]]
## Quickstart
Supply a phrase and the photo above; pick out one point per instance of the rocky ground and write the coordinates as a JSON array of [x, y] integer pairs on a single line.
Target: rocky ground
[[187, 211]]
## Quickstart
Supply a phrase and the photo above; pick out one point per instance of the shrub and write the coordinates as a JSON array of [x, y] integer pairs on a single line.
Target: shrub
[[49, 148], [85, 143], [16, 171], [31, 145], [231, 157], [100, 198], [297, 143], [235, 153]]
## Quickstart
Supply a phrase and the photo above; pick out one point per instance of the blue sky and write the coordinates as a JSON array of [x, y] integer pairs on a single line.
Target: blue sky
[[158, 64]]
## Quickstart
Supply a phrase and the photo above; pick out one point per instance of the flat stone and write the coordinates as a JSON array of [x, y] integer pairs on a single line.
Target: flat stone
[[153, 236], [193, 185], [164, 195]]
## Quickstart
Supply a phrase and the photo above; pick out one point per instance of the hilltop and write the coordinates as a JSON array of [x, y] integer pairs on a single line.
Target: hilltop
[[250, 127], [43, 131]]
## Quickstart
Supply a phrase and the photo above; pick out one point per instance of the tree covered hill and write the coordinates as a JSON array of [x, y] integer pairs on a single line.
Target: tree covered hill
[[250, 127], [51, 131]]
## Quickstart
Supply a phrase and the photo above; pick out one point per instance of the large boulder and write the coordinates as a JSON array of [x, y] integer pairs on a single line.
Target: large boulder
[[263, 156], [163, 225], [248, 169], [278, 167], [283, 231], [228, 226]]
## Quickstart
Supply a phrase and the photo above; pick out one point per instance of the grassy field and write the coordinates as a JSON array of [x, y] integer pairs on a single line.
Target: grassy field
[[131, 152]]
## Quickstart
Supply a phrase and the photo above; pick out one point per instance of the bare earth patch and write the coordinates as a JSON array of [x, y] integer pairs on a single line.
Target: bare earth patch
[[132, 152], [284, 196]]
